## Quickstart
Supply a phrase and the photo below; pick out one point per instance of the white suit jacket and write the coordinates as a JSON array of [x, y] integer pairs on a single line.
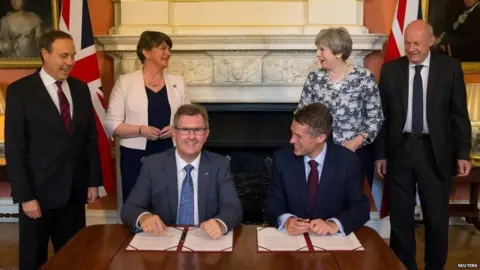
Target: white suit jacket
[[128, 103]]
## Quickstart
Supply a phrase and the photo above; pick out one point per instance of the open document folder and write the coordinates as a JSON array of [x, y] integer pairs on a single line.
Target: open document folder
[[269, 239], [149, 241], [198, 240], [181, 239]]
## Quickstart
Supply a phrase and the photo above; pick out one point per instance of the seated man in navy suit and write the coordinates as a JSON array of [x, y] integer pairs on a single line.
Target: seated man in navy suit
[[185, 185], [319, 186]]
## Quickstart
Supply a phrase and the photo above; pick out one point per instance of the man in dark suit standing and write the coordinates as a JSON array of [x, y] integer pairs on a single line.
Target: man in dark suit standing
[[185, 185], [319, 186], [51, 151], [425, 137]]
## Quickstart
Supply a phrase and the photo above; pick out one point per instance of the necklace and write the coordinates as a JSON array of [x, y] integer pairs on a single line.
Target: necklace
[[344, 75], [151, 81]]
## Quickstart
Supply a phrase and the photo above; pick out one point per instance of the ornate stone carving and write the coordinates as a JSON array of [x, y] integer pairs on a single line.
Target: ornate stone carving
[[237, 70], [287, 70], [192, 70]]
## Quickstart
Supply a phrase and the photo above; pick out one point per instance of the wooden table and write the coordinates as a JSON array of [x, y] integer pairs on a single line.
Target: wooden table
[[103, 247], [470, 211]]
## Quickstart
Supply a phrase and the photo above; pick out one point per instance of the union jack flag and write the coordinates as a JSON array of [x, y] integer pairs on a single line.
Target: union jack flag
[[75, 20], [406, 12]]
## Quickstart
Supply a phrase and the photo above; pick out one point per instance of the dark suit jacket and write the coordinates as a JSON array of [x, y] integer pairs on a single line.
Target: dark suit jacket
[[464, 41], [447, 115], [44, 162], [156, 191], [340, 192]]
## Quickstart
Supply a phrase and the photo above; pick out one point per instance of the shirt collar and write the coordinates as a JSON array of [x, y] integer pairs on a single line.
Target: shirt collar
[[182, 163], [46, 78], [320, 158], [425, 63]]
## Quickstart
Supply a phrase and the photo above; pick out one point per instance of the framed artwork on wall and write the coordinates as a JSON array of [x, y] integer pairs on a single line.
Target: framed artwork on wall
[[475, 153], [456, 25], [22, 22]]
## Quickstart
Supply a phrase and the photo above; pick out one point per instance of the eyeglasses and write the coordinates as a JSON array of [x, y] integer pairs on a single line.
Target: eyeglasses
[[186, 131]]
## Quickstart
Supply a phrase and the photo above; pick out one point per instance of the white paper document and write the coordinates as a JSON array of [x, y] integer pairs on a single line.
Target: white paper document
[[149, 241], [335, 242], [198, 240], [270, 239]]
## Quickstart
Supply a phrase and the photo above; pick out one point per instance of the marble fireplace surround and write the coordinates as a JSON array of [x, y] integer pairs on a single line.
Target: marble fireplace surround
[[239, 68]]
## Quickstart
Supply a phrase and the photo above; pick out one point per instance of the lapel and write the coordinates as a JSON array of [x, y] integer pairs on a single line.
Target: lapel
[[138, 93], [301, 182], [171, 92], [433, 73], [328, 169], [43, 98], [203, 183], [404, 80], [170, 168]]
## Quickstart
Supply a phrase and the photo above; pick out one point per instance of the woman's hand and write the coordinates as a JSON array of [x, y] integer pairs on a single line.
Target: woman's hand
[[151, 133], [354, 143], [166, 132]]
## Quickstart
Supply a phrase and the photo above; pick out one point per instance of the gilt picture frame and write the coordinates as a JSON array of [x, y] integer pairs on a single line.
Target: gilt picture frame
[[441, 14], [22, 22]]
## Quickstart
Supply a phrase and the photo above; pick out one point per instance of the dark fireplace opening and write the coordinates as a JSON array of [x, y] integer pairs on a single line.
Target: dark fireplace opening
[[249, 134]]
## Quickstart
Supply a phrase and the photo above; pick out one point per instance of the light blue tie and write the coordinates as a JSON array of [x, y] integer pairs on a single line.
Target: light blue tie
[[185, 210]]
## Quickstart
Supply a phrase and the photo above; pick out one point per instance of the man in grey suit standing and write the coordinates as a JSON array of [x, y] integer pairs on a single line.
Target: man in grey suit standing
[[185, 185]]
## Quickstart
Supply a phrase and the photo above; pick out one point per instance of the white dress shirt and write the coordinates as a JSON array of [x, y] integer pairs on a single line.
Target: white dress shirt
[[320, 159], [411, 75], [181, 173], [52, 89]]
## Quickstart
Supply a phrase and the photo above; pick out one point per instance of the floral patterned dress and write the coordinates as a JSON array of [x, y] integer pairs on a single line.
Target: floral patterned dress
[[354, 102]]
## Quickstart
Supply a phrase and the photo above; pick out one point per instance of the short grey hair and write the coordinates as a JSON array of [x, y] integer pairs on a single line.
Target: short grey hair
[[338, 40]]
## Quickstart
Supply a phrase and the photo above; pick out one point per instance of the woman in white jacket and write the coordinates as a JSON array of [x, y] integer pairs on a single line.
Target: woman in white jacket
[[142, 105]]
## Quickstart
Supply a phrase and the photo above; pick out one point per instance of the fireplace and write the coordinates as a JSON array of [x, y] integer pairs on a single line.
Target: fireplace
[[249, 134]]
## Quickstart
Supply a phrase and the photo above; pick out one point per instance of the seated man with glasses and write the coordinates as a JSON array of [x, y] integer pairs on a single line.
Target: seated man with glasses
[[185, 185]]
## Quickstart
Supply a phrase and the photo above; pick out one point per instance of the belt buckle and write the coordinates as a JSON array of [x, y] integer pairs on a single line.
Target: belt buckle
[[415, 135]]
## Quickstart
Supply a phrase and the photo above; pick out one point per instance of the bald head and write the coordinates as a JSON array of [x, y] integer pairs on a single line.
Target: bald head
[[420, 26], [418, 38]]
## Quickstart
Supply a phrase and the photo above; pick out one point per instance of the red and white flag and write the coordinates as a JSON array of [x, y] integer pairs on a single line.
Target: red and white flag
[[75, 20], [406, 12]]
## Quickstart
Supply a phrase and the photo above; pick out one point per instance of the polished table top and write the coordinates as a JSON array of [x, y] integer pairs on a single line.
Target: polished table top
[[103, 247]]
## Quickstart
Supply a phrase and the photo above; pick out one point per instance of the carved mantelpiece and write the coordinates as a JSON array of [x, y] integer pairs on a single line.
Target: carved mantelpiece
[[245, 68]]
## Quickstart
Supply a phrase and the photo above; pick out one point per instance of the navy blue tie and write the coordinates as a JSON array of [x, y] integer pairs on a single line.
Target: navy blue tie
[[417, 101], [185, 210]]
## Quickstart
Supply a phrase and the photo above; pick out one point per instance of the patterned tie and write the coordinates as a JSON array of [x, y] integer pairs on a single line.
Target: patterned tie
[[312, 182], [417, 101], [185, 210], [64, 107]]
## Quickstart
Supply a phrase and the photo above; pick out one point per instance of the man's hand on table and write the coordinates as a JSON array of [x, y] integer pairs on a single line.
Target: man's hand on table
[[296, 226], [213, 228], [322, 227], [152, 224]]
